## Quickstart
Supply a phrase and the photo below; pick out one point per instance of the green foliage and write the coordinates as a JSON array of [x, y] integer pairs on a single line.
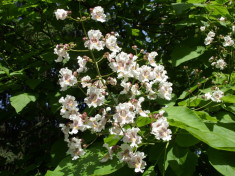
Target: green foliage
[[222, 161], [186, 119], [185, 53], [181, 160], [21, 100], [29, 91], [89, 164]]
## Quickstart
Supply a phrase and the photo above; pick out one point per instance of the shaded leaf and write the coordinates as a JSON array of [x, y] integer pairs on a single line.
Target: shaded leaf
[[21, 100], [185, 53]]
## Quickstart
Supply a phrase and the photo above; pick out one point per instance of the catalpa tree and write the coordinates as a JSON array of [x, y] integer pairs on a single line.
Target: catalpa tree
[[139, 88]]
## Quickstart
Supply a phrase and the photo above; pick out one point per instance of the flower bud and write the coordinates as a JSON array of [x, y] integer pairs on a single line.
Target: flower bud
[[134, 47], [142, 50], [75, 73]]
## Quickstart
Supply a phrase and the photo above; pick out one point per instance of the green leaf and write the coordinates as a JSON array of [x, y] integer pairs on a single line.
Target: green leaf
[[228, 99], [185, 53], [58, 152], [142, 121], [149, 172], [180, 7], [6, 70], [112, 139], [185, 139], [205, 116], [182, 161], [22, 100], [225, 117], [33, 83], [217, 10], [89, 164], [135, 32], [222, 161], [216, 136]]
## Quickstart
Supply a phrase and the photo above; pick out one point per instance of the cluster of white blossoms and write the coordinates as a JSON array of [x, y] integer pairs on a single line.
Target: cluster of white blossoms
[[209, 38], [215, 96], [126, 66], [61, 51], [118, 113], [220, 64], [133, 159], [160, 127], [228, 41]]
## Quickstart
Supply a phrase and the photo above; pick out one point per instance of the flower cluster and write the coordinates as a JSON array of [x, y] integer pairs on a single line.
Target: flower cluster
[[215, 96], [136, 80], [209, 38], [220, 64]]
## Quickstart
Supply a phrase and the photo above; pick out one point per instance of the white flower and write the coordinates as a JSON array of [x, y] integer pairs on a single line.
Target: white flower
[[211, 34], [159, 129], [109, 154], [111, 43], [151, 58], [75, 149], [69, 106], [228, 41], [221, 64], [136, 161], [98, 14], [97, 123], [61, 51], [61, 14], [123, 114], [126, 86], [132, 137], [82, 64], [203, 28], [145, 74], [165, 90], [217, 95], [95, 97], [94, 41], [65, 129], [66, 78], [116, 130], [85, 81], [233, 28], [222, 19], [77, 124], [208, 96], [135, 90], [125, 153], [160, 74], [68, 102], [112, 81], [208, 40]]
